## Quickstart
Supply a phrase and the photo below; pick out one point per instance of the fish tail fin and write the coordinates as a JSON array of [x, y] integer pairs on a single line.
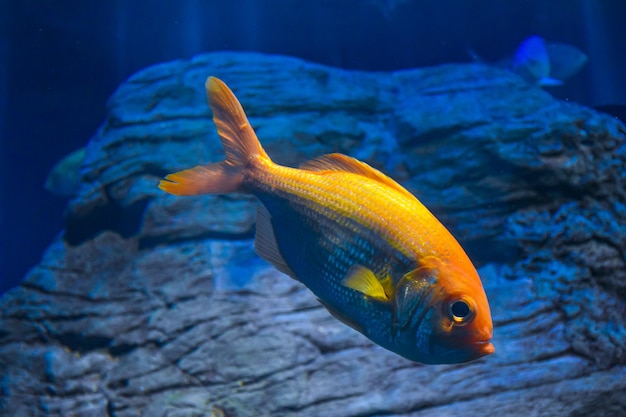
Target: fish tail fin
[[240, 143]]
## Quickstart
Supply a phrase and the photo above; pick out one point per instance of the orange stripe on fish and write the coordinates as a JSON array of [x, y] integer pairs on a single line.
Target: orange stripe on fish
[[375, 257]]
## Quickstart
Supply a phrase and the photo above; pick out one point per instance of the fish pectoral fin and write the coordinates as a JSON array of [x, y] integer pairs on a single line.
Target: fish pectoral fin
[[265, 244], [348, 321], [363, 280], [343, 163]]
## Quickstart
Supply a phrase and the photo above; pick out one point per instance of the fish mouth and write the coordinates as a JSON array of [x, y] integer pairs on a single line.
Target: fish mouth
[[484, 348], [469, 352]]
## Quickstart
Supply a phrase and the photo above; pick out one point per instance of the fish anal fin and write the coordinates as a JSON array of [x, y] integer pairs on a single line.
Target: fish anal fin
[[343, 163], [348, 321], [363, 280], [265, 244]]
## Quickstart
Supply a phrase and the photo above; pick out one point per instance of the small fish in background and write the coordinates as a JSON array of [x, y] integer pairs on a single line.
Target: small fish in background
[[375, 257], [64, 178], [546, 63]]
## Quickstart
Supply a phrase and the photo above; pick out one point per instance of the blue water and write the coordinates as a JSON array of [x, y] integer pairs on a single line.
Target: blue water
[[59, 62]]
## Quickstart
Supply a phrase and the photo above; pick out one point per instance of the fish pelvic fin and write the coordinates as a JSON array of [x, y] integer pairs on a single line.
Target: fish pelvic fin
[[241, 145], [348, 321]]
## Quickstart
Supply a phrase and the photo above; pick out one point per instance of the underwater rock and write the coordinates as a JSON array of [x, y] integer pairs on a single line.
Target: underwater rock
[[153, 305]]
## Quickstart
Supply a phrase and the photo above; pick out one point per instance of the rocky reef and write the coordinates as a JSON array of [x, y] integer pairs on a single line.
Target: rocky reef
[[152, 305]]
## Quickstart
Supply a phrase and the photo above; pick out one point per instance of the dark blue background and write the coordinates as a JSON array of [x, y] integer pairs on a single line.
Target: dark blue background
[[61, 60]]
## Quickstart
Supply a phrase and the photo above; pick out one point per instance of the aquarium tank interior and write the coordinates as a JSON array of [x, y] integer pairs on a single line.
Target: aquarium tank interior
[[336, 208]]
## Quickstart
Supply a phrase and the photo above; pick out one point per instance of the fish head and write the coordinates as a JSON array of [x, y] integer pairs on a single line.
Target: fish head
[[441, 315], [531, 60]]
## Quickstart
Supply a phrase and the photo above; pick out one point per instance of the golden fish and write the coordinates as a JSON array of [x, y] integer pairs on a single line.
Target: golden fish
[[375, 257]]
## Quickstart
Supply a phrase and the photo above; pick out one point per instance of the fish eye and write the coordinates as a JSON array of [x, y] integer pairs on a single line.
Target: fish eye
[[461, 311]]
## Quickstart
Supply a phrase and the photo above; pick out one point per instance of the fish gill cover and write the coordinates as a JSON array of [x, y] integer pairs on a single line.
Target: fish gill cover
[[153, 305]]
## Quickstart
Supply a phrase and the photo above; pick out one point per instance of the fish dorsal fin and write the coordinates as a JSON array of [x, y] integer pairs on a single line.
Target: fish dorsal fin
[[344, 163], [363, 280], [265, 244]]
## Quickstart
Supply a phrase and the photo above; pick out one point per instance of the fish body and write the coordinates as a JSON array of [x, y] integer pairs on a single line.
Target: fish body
[[546, 63], [371, 252]]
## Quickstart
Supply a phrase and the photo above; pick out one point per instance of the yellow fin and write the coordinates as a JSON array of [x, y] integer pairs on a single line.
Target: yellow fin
[[265, 244], [363, 280], [344, 163], [239, 140], [217, 178]]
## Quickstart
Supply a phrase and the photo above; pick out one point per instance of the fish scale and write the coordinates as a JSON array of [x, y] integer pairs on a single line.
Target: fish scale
[[372, 206], [316, 214]]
